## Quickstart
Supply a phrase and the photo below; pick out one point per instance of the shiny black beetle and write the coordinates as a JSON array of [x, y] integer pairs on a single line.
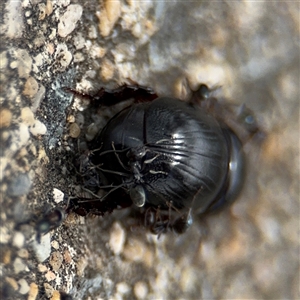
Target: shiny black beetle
[[166, 158]]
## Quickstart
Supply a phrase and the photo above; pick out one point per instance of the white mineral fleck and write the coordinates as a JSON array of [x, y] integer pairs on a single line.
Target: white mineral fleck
[[58, 195]]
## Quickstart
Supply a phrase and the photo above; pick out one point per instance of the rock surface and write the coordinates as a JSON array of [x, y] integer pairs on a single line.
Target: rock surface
[[249, 48]]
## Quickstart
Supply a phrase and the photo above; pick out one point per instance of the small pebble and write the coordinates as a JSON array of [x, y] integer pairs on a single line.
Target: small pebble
[[23, 253], [38, 128], [81, 265], [67, 257], [18, 239], [48, 289], [69, 19], [19, 265], [58, 195], [4, 235], [12, 282], [134, 250], [27, 116], [42, 268], [56, 260], [3, 60], [55, 245], [122, 288], [56, 295], [5, 118], [50, 276], [63, 57], [91, 131], [109, 16], [6, 257], [42, 250], [140, 290], [36, 100], [71, 119], [74, 130], [24, 63], [24, 287], [117, 238], [107, 70], [31, 87], [33, 292]]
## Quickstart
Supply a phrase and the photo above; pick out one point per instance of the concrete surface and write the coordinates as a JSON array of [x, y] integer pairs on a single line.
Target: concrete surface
[[249, 48]]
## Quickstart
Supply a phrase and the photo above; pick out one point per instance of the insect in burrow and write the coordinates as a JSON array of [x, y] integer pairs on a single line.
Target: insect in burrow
[[166, 158]]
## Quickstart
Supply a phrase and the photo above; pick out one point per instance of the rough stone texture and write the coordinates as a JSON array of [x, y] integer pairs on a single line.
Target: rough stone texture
[[249, 48]]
